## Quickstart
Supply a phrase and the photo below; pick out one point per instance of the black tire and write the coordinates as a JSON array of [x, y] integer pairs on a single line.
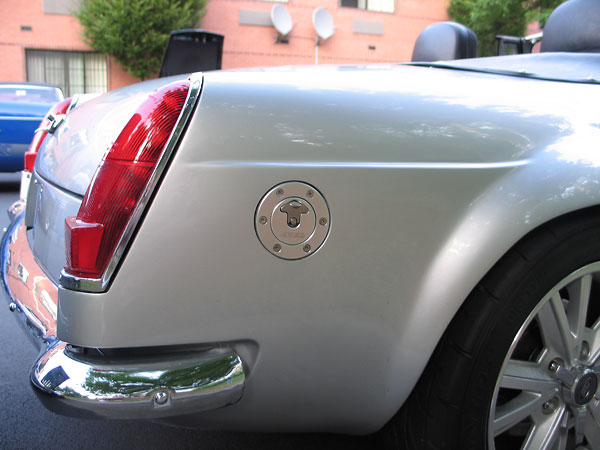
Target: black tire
[[459, 396]]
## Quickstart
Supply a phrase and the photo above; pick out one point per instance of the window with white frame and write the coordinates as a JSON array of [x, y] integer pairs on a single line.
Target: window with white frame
[[73, 72], [371, 5]]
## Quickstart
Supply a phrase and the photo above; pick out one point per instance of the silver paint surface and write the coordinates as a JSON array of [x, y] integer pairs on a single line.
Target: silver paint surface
[[430, 176], [49, 207]]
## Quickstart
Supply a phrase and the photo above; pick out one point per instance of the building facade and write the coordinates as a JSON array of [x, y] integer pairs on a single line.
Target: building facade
[[364, 30], [40, 40]]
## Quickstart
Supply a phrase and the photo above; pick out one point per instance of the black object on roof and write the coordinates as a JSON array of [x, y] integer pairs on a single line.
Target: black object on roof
[[444, 41], [192, 51], [573, 27]]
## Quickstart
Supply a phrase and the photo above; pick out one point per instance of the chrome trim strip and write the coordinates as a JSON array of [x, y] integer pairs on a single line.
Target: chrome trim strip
[[55, 122], [29, 118], [69, 281], [371, 165], [24, 189], [135, 387]]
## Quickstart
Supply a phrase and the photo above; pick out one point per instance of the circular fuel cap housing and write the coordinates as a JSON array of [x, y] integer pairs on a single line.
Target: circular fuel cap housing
[[292, 220]]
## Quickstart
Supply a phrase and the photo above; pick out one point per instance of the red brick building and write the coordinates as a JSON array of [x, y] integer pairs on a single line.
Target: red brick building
[[371, 31], [41, 41]]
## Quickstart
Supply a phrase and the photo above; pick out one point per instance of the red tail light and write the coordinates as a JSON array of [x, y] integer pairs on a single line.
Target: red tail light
[[119, 182], [58, 109]]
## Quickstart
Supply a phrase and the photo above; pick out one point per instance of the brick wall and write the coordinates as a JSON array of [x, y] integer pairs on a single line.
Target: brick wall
[[252, 45], [24, 24]]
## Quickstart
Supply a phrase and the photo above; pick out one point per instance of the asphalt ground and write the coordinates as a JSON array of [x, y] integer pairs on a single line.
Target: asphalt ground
[[26, 424]]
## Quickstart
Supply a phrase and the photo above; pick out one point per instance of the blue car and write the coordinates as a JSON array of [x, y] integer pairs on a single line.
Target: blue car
[[22, 108]]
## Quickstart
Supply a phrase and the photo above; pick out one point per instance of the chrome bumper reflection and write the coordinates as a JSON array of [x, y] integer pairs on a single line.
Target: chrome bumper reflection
[[146, 390], [72, 383]]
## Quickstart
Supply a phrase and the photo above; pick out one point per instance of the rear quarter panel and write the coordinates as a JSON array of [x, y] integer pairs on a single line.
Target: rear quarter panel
[[430, 176]]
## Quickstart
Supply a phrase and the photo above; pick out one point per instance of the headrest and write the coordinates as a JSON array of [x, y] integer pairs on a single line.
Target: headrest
[[573, 27], [445, 41]]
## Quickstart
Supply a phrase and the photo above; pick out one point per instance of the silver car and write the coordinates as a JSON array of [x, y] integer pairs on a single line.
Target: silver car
[[338, 249]]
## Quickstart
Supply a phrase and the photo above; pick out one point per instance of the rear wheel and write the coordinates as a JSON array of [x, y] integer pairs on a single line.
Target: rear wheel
[[518, 368], [545, 394]]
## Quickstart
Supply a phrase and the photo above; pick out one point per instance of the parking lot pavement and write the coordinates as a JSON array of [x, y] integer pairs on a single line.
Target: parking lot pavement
[[26, 424]]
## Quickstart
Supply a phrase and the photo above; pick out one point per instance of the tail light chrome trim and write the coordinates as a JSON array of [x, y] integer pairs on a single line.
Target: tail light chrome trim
[[70, 281]]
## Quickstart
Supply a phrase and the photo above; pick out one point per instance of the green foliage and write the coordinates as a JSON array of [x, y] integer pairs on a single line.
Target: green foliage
[[540, 10], [488, 18], [135, 32]]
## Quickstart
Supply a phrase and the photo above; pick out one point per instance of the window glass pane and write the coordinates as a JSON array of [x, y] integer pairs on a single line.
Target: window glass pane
[[76, 78], [387, 6], [35, 67], [73, 72], [55, 69], [381, 5], [371, 5], [24, 94], [95, 73]]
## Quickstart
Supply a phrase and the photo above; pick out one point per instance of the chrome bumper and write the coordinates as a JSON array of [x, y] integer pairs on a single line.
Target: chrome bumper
[[73, 383]]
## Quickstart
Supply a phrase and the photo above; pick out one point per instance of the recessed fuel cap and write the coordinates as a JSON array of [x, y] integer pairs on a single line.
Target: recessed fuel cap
[[292, 220]]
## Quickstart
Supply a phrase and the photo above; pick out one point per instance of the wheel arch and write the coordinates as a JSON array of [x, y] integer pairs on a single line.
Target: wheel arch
[[468, 256], [537, 244]]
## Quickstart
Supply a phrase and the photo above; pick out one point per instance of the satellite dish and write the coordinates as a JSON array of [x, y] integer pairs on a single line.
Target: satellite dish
[[282, 21], [323, 23]]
